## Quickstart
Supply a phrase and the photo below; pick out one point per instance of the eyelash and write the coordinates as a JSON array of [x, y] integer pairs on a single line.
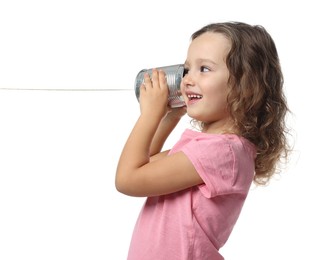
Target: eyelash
[[202, 68], [185, 71]]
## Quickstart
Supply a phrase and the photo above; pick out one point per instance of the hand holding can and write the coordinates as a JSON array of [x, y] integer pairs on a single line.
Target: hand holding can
[[174, 75]]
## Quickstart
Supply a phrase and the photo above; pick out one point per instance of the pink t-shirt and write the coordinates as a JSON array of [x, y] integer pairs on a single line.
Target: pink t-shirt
[[195, 223]]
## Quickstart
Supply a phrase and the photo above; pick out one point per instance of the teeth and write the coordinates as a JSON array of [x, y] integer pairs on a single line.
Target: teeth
[[194, 96]]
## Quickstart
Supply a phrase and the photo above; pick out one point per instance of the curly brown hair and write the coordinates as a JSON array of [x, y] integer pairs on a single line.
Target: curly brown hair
[[256, 100]]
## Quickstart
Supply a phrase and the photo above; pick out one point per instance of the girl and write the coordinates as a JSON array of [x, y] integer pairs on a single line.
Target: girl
[[232, 88]]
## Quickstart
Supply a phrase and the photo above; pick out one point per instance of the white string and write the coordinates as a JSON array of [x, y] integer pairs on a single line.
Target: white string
[[66, 89]]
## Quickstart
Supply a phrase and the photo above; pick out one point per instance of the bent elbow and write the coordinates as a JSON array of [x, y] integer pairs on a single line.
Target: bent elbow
[[123, 186], [120, 187], [127, 187], [120, 181]]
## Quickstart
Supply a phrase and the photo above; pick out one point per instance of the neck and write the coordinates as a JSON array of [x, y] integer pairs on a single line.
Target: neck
[[219, 127]]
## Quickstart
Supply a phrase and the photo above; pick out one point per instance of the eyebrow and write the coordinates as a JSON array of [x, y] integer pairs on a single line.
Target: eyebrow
[[202, 60]]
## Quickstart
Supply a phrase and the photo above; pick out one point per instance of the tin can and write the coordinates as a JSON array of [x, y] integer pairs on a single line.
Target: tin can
[[174, 75]]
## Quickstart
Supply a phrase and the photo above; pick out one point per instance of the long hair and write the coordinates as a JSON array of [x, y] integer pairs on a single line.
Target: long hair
[[256, 100]]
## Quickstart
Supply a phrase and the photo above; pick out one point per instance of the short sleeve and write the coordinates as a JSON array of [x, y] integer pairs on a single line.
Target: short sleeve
[[214, 161]]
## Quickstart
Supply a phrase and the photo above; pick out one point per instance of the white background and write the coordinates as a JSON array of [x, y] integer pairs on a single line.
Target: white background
[[59, 149]]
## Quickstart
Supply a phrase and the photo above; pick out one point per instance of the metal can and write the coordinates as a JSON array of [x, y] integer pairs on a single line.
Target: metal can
[[174, 75]]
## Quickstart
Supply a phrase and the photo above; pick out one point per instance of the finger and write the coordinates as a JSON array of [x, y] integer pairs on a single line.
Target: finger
[[147, 80], [142, 87], [155, 78], [162, 79]]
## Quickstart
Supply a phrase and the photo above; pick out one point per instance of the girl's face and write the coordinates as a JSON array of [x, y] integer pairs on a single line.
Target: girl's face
[[205, 84]]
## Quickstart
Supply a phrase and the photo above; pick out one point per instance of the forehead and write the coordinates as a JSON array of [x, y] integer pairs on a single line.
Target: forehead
[[209, 45]]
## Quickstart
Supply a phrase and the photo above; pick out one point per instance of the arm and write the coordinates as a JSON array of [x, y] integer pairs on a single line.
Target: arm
[[167, 124], [138, 176]]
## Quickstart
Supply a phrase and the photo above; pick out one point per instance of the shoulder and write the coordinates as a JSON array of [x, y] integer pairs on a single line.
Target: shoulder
[[223, 142], [195, 137], [210, 150], [225, 162], [218, 143]]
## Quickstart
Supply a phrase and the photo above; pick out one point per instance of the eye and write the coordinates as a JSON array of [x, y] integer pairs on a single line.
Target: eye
[[204, 69]]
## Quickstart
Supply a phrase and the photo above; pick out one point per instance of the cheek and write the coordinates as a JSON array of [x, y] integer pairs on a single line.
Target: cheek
[[218, 101], [218, 104], [218, 94], [182, 89]]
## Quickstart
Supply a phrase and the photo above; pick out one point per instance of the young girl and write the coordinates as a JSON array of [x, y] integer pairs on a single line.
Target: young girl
[[232, 88]]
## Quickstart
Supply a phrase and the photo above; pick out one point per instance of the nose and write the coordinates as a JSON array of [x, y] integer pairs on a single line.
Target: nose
[[187, 80]]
